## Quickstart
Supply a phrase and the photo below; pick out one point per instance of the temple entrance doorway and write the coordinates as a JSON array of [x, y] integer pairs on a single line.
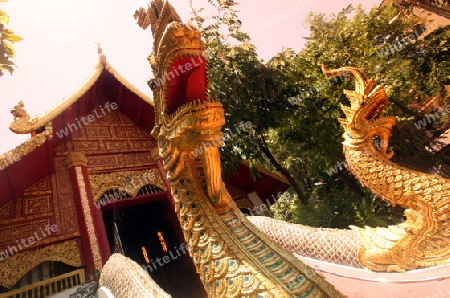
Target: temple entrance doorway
[[148, 237]]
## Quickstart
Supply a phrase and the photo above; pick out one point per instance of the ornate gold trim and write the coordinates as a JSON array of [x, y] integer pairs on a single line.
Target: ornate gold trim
[[76, 159], [128, 85], [101, 183], [66, 281], [13, 268], [26, 147], [89, 224]]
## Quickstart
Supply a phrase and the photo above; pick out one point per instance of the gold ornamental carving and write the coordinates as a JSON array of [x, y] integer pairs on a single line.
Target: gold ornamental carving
[[26, 147], [88, 221], [76, 159], [63, 195], [129, 182], [14, 267], [21, 119]]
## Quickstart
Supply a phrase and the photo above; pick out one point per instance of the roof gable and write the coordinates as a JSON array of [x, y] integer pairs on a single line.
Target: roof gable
[[33, 159]]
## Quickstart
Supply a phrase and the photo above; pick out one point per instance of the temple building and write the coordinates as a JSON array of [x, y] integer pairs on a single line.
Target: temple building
[[89, 182]]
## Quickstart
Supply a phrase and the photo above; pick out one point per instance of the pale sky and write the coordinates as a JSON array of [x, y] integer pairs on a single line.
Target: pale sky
[[59, 51]]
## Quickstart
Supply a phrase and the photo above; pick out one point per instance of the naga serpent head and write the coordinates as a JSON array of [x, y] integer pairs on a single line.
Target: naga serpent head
[[181, 75], [363, 118], [186, 119]]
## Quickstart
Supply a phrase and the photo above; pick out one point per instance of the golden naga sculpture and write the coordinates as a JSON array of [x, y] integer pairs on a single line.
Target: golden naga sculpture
[[232, 257], [423, 240]]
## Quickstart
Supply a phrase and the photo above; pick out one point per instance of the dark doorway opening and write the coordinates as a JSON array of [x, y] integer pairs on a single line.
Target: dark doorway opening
[[148, 237]]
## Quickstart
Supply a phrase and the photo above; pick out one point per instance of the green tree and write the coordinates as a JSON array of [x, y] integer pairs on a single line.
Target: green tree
[[248, 89], [7, 38], [412, 74], [294, 108]]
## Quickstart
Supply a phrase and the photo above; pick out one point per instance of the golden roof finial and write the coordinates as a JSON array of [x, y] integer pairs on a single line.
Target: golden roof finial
[[101, 56], [99, 48]]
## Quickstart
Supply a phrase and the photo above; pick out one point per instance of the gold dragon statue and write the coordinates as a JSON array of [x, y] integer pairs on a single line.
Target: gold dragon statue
[[252, 256], [423, 240], [232, 257]]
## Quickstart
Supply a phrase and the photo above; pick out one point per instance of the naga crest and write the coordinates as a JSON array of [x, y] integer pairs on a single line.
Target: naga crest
[[186, 119], [363, 118], [180, 69]]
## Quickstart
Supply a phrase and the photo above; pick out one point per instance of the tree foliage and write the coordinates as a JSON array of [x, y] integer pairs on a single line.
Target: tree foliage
[[406, 72], [7, 38], [301, 138], [248, 89]]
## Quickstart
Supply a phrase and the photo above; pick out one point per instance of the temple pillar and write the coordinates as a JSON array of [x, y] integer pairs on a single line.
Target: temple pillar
[[94, 241]]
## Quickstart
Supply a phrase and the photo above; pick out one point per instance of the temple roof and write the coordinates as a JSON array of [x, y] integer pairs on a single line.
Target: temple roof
[[268, 185], [36, 153], [100, 67]]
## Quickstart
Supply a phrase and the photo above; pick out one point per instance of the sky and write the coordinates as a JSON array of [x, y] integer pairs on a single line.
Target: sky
[[59, 48]]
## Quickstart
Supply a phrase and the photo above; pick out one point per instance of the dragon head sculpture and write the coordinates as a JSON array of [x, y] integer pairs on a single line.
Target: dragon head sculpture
[[179, 66], [232, 258], [186, 118], [363, 119]]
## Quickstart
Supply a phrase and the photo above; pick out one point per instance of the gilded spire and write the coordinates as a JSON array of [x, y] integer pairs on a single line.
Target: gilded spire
[[101, 56]]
